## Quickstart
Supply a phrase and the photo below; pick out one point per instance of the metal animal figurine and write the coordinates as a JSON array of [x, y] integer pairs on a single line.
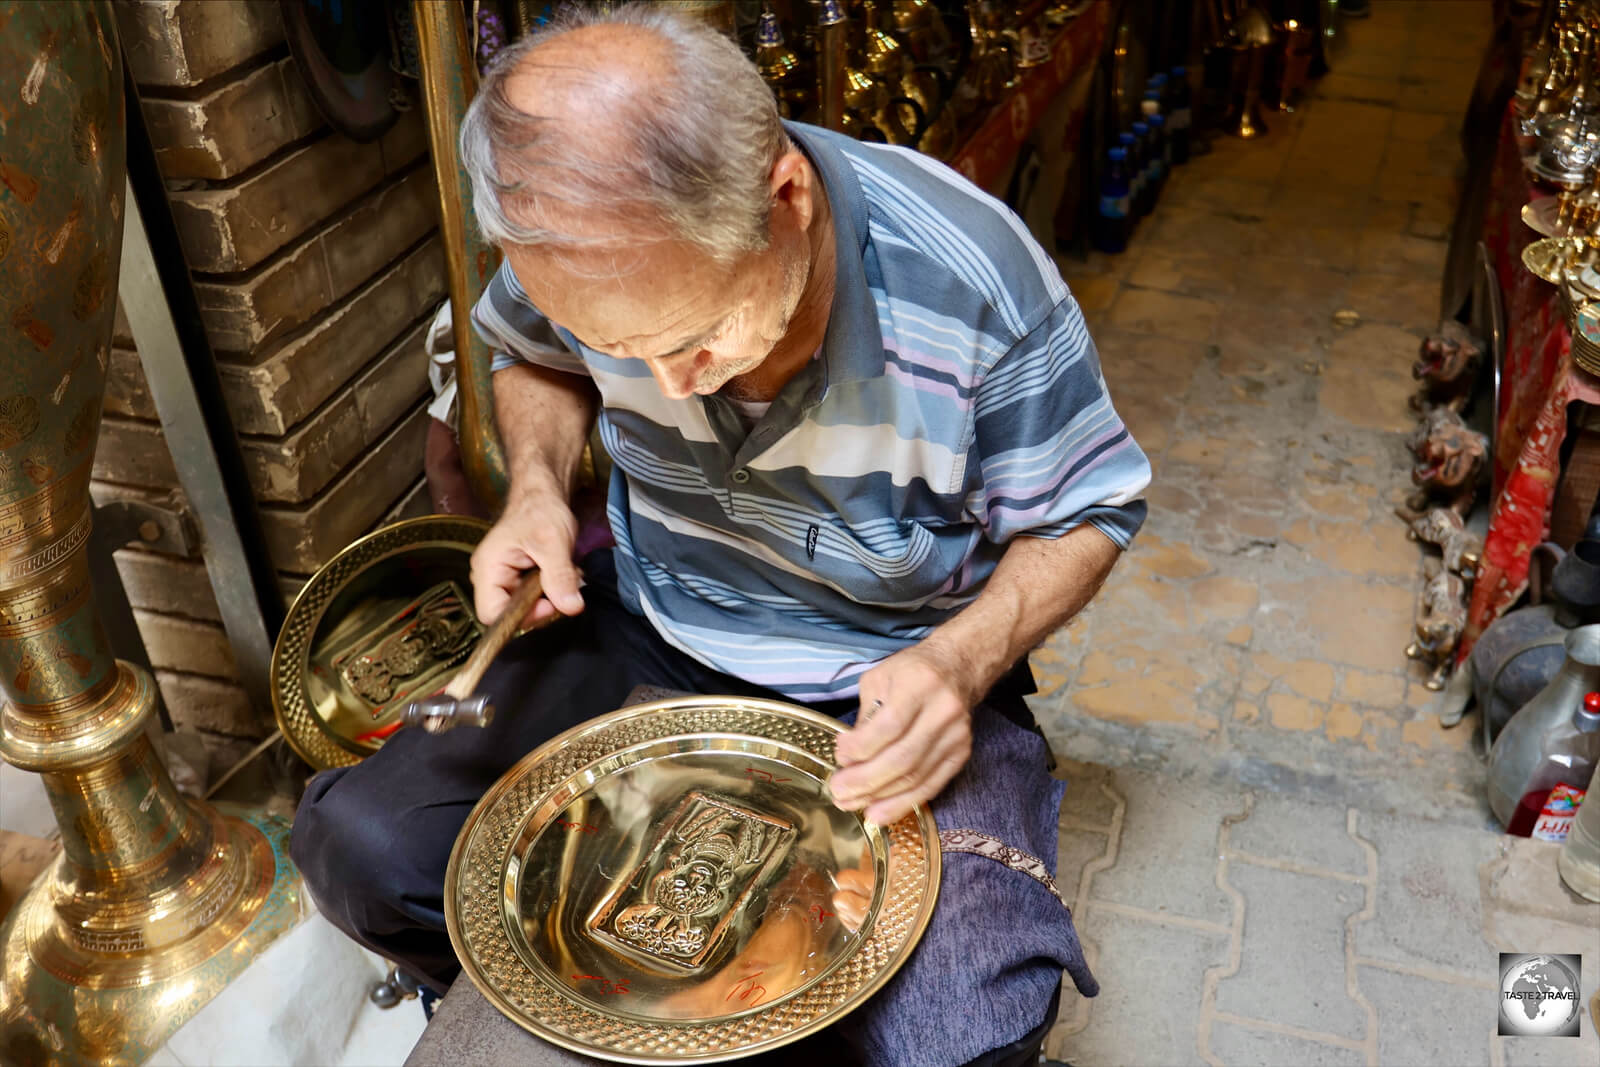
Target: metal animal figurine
[[1441, 616], [1460, 550], [1447, 365], [1451, 460]]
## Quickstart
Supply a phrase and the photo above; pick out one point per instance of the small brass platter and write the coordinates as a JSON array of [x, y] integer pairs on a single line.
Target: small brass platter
[[662, 885], [1548, 258], [1540, 216], [386, 621]]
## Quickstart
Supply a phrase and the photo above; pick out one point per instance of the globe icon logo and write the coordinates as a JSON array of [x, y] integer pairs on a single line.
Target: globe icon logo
[[1539, 997]]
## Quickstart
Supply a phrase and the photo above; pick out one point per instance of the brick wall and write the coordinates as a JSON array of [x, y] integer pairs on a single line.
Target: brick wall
[[317, 266]]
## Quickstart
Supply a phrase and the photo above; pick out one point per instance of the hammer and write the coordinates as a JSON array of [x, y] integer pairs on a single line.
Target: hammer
[[456, 705]]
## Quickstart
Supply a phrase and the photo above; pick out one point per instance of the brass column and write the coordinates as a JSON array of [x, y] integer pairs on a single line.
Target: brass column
[[155, 902], [449, 81]]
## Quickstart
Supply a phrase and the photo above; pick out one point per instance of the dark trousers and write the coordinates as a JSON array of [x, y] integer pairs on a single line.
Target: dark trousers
[[373, 840]]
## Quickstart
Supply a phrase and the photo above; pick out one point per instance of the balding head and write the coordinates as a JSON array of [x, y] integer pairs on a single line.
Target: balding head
[[610, 130]]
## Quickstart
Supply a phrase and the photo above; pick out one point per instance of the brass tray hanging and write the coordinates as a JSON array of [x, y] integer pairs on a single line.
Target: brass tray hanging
[[658, 885], [384, 622]]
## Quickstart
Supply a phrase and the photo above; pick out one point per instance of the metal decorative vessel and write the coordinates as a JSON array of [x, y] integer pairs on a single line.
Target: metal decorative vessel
[[155, 902], [387, 620], [671, 883]]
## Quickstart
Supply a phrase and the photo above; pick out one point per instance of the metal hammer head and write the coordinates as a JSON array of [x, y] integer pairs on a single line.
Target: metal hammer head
[[436, 714]]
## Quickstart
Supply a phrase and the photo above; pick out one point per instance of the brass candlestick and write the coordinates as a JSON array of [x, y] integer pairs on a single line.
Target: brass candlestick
[[155, 902]]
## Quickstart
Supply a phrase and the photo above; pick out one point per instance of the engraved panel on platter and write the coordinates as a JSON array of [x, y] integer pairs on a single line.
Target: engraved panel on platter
[[408, 649], [710, 857]]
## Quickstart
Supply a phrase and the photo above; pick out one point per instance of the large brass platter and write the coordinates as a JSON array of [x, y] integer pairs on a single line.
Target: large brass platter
[[386, 621], [661, 884]]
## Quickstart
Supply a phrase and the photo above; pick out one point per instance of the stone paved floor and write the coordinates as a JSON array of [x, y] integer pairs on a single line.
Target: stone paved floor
[[1277, 857]]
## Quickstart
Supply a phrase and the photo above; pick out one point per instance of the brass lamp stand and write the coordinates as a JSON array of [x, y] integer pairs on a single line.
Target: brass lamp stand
[[155, 902]]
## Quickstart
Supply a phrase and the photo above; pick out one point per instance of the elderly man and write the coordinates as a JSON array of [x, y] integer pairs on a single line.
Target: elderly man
[[864, 460]]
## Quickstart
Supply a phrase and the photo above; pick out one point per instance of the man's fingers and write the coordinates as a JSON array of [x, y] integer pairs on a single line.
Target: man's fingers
[[560, 579], [851, 908], [542, 611], [878, 725], [859, 783], [883, 812], [923, 755]]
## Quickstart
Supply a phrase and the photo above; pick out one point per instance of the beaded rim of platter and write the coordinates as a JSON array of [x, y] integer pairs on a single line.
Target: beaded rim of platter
[[475, 909], [291, 654]]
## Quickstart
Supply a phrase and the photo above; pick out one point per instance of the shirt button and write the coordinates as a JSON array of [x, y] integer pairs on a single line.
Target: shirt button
[[741, 476]]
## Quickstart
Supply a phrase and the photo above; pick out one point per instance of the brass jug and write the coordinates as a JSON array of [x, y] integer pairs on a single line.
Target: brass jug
[[888, 61], [871, 114], [992, 66], [921, 29]]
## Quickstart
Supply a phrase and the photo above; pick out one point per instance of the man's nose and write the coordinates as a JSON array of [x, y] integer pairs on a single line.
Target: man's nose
[[677, 377]]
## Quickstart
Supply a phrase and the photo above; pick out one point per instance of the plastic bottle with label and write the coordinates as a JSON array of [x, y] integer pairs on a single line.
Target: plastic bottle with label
[[1114, 223], [1541, 762], [1179, 116]]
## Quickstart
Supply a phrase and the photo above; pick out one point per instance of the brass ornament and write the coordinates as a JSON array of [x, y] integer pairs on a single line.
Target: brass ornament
[[658, 885], [781, 68], [1549, 258], [382, 623]]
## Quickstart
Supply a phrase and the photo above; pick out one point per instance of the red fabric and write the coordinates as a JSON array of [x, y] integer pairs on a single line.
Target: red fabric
[[1538, 381]]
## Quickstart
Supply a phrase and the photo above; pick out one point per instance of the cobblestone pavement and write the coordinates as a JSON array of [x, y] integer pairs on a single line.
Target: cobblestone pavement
[[1279, 857], [1231, 925], [1261, 617]]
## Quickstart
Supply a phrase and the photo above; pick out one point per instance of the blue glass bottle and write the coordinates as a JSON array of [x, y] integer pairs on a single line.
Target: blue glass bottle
[[1179, 117], [1159, 159], [1114, 222], [1142, 198], [1135, 164]]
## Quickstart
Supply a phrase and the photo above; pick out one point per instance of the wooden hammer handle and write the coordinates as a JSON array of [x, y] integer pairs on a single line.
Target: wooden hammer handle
[[494, 639]]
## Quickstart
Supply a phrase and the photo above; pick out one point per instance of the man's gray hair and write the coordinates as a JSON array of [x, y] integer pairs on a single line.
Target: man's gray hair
[[696, 149]]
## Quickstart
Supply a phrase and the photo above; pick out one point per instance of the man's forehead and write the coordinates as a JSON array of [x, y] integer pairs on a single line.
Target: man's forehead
[[660, 301]]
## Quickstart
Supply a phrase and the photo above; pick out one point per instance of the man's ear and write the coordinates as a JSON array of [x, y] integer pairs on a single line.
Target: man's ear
[[792, 185]]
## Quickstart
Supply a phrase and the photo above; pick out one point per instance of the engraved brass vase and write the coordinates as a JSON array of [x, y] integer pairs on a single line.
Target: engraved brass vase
[[155, 902]]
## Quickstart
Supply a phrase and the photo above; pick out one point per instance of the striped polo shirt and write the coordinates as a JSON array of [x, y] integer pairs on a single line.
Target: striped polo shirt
[[956, 403]]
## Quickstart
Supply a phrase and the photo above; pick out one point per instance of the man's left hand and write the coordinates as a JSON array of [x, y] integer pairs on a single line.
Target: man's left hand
[[913, 733]]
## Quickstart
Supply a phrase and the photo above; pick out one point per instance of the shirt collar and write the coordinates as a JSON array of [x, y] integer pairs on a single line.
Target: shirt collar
[[852, 348]]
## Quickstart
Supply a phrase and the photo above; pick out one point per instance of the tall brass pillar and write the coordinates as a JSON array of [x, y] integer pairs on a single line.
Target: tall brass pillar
[[155, 902], [449, 82]]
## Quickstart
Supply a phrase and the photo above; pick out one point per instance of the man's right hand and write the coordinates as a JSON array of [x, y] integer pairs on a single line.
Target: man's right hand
[[536, 530]]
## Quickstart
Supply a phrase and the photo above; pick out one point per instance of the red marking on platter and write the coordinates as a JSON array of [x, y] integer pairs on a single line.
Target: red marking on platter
[[581, 827], [607, 986], [751, 990], [757, 772], [822, 913]]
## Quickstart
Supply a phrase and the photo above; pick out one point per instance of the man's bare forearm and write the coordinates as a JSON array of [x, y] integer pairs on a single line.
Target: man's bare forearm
[[1038, 585], [544, 418]]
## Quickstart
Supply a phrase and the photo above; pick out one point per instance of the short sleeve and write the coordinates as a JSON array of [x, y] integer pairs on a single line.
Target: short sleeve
[[517, 332], [1049, 451]]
